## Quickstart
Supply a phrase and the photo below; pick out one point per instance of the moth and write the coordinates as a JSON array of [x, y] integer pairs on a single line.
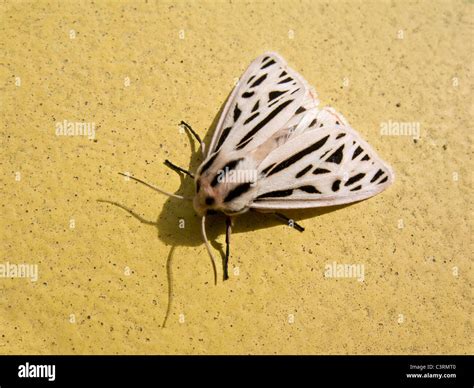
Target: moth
[[274, 149]]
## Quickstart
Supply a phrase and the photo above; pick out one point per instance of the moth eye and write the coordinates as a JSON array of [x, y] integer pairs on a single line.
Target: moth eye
[[209, 201]]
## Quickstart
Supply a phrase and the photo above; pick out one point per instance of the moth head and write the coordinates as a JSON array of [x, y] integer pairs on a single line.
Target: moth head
[[204, 200], [212, 199]]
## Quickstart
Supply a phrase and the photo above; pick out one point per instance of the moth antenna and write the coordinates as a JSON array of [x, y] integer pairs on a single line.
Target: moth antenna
[[208, 247], [198, 138], [156, 188], [178, 169]]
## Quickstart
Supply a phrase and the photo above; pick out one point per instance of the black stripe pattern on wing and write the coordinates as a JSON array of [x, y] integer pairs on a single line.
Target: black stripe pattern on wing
[[356, 153], [255, 107], [275, 94], [238, 191], [299, 155], [224, 170], [336, 157], [222, 137], [259, 80], [303, 171], [269, 63], [354, 179], [377, 175], [320, 171], [208, 164], [262, 123], [309, 189], [251, 118], [237, 112], [276, 194]]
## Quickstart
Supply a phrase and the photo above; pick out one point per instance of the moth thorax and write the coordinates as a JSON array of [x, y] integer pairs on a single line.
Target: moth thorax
[[227, 186]]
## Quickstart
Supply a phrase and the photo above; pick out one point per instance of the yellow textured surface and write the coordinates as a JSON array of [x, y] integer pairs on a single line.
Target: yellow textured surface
[[373, 61]]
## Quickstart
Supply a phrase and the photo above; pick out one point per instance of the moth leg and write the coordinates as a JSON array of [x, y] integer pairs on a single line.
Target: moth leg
[[228, 229], [178, 169], [289, 222], [192, 132]]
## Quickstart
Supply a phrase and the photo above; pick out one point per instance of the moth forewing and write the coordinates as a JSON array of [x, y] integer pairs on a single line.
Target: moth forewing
[[264, 99]]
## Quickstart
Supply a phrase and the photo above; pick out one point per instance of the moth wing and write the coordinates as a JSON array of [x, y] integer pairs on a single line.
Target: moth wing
[[265, 98], [324, 166]]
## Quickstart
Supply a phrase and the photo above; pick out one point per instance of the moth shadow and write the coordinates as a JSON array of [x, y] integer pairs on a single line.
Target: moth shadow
[[177, 224]]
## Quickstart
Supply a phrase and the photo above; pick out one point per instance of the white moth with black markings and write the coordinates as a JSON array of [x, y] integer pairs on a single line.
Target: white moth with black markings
[[274, 149]]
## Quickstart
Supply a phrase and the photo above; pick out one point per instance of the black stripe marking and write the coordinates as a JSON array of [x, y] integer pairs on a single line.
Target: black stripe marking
[[251, 118], [356, 152], [283, 74], [208, 163], [304, 171], [269, 63], [294, 91], [356, 188], [275, 94], [250, 79], [354, 179], [383, 180], [293, 159], [240, 146], [255, 107], [224, 170], [276, 194], [340, 135], [300, 110], [264, 122], [320, 171], [273, 103], [309, 189], [238, 191], [288, 79], [366, 157], [323, 155], [376, 176], [268, 168], [247, 94], [198, 186], [259, 81], [237, 112], [215, 180], [336, 157], [224, 134], [335, 185], [313, 122]]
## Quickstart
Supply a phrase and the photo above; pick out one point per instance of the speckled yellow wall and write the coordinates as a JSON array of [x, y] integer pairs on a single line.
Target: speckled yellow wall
[[135, 70]]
